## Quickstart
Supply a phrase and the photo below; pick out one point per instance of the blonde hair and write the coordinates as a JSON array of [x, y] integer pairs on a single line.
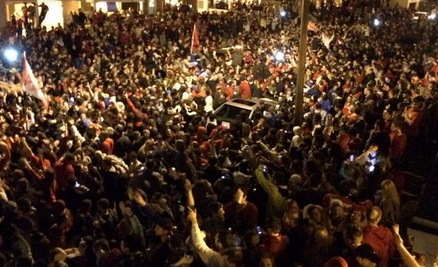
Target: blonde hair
[[297, 130], [374, 214], [389, 192]]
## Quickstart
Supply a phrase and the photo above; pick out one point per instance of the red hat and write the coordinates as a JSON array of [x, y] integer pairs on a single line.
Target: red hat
[[336, 262]]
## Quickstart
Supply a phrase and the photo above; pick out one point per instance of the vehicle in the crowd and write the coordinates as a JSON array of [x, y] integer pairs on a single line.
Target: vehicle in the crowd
[[417, 15], [230, 110]]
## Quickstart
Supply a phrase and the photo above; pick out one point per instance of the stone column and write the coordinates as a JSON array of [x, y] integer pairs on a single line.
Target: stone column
[[159, 6], [3, 15]]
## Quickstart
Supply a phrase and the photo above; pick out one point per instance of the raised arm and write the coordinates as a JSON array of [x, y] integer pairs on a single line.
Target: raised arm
[[26, 150], [190, 198], [267, 151], [267, 185], [213, 147], [407, 258], [204, 251]]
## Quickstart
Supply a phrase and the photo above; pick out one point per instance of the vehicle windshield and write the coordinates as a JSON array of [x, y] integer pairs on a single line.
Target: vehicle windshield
[[231, 112]]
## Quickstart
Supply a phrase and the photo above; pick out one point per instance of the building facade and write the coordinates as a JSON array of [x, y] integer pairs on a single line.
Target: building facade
[[8, 8]]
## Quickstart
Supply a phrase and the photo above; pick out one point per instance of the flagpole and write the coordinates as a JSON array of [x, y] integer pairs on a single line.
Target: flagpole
[[192, 39], [301, 62]]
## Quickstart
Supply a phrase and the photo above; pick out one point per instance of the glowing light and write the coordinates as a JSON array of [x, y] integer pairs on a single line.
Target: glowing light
[[279, 56], [11, 54], [283, 13], [432, 16], [376, 22]]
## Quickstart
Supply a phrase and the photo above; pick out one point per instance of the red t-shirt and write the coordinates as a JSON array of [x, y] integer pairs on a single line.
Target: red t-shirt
[[245, 90], [41, 163], [108, 146], [63, 172], [274, 245], [230, 92], [245, 219], [398, 144], [414, 116]]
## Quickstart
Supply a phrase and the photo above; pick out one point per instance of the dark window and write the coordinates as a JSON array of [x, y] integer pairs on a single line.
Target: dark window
[[231, 112]]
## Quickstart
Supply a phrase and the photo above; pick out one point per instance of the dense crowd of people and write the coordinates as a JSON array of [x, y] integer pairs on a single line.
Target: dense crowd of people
[[128, 166]]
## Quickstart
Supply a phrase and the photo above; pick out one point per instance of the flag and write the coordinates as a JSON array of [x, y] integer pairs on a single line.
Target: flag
[[312, 26], [30, 84], [195, 41], [327, 40]]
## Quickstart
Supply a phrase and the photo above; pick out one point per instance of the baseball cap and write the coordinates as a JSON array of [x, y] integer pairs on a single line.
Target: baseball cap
[[365, 251]]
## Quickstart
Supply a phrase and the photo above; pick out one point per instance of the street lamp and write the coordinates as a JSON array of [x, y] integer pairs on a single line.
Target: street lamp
[[11, 55], [376, 22], [283, 13], [279, 56]]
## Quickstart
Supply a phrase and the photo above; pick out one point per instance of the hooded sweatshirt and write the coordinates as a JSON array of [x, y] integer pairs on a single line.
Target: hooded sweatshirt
[[381, 240]]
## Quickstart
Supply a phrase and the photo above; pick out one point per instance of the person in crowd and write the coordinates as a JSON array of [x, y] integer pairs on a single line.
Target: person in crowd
[[398, 141], [379, 237], [43, 12], [365, 256], [273, 242], [252, 254], [267, 261], [225, 258], [390, 203], [241, 214]]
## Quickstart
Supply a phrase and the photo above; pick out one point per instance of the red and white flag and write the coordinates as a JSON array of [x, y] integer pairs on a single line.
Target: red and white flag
[[30, 84], [195, 41], [312, 26]]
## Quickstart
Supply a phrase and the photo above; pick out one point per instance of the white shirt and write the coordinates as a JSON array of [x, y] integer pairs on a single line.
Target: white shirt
[[185, 95], [208, 104], [208, 256]]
